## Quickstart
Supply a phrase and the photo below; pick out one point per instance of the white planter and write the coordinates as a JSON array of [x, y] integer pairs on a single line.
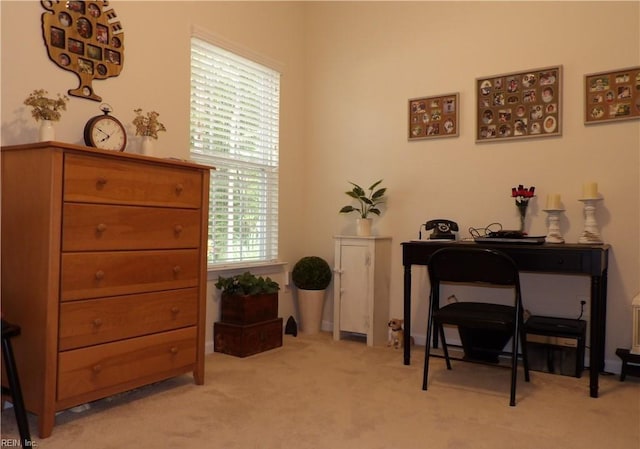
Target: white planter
[[363, 227], [146, 146], [46, 131], [311, 303]]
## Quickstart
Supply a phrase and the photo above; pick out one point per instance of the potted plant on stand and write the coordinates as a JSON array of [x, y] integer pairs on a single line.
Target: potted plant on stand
[[249, 320], [311, 275], [367, 204]]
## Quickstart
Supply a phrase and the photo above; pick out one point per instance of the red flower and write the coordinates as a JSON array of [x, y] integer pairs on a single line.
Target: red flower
[[523, 192], [522, 196]]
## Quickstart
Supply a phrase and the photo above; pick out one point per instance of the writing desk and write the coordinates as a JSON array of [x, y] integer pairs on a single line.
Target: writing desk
[[565, 258]]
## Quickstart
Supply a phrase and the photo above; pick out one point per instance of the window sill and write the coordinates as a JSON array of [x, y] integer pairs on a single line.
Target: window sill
[[259, 269]]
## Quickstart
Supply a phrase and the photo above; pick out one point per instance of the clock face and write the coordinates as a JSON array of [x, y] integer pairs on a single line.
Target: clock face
[[105, 132]]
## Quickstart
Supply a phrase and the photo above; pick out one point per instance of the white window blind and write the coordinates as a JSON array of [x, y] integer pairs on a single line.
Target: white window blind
[[235, 106]]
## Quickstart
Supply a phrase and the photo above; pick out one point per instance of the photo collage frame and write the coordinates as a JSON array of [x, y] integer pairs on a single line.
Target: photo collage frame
[[86, 38], [612, 96], [434, 117], [519, 105]]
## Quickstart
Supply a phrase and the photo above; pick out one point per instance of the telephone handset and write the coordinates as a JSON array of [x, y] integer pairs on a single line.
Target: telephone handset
[[442, 229]]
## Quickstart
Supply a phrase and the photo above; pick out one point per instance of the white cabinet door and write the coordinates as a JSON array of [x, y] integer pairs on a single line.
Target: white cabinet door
[[354, 294]]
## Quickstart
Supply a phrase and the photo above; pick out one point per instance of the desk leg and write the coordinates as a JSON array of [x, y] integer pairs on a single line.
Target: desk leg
[[598, 330], [407, 314]]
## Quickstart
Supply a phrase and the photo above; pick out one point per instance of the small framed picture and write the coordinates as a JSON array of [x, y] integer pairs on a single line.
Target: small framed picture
[[612, 96], [57, 37], [519, 105], [434, 117]]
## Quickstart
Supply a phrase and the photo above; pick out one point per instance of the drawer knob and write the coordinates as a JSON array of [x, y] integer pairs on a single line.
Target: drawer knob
[[97, 368], [175, 310], [179, 188], [177, 269], [178, 229], [100, 182], [99, 275], [97, 322], [101, 227], [174, 350]]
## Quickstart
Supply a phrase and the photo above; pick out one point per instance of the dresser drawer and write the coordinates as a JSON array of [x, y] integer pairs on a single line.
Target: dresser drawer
[[100, 274], [87, 227], [99, 367], [105, 180], [95, 321]]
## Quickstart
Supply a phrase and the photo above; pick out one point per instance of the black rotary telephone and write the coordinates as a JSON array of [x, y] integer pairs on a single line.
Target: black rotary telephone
[[442, 229]]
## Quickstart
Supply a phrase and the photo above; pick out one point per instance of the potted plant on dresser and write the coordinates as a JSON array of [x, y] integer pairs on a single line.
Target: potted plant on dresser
[[249, 321], [311, 275]]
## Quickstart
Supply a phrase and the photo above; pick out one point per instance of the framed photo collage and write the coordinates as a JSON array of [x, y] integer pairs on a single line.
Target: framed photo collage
[[526, 104], [519, 105], [433, 117], [611, 96]]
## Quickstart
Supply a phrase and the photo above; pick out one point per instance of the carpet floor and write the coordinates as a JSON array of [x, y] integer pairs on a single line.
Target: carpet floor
[[317, 393]]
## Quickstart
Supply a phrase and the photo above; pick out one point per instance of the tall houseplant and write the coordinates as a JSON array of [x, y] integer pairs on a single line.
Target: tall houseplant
[[367, 204], [311, 275]]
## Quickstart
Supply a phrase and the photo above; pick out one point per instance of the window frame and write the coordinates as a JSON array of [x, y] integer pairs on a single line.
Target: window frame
[[270, 258]]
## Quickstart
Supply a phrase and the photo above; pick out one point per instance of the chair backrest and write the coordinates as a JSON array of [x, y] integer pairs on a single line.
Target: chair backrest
[[473, 265]]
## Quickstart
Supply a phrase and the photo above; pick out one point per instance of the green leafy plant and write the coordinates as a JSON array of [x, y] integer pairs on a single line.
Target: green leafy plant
[[45, 108], [367, 203], [246, 284], [311, 273]]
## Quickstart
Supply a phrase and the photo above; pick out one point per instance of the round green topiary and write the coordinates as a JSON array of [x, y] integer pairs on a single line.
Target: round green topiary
[[311, 273]]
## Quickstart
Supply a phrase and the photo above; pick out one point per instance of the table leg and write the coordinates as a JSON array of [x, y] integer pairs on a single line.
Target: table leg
[[597, 333], [407, 314]]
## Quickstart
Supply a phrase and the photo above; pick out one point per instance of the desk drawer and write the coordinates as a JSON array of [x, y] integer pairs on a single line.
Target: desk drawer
[[95, 321], [565, 261], [99, 367], [90, 179], [87, 227], [101, 274]]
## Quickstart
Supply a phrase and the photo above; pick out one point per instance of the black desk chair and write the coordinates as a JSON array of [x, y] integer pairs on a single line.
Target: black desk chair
[[476, 320], [8, 332]]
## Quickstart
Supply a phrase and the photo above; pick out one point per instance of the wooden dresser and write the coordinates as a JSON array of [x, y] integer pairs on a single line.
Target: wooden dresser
[[104, 268]]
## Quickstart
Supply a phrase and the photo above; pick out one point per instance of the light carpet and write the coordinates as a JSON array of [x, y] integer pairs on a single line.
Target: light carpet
[[316, 393]]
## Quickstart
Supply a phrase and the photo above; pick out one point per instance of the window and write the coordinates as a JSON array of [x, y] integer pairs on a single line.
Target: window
[[235, 128]]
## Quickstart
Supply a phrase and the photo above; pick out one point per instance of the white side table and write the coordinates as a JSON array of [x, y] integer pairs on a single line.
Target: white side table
[[361, 287]]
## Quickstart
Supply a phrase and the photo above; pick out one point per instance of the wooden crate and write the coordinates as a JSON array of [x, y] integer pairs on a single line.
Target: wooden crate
[[244, 310], [246, 340]]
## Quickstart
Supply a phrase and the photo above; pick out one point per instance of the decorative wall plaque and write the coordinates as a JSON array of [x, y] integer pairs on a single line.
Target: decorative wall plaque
[[519, 105], [84, 37]]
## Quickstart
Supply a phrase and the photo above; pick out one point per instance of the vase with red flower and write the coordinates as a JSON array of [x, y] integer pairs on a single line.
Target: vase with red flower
[[522, 197]]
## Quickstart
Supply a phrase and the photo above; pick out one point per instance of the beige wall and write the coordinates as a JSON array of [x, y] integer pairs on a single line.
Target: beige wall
[[348, 70], [366, 59], [155, 76]]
